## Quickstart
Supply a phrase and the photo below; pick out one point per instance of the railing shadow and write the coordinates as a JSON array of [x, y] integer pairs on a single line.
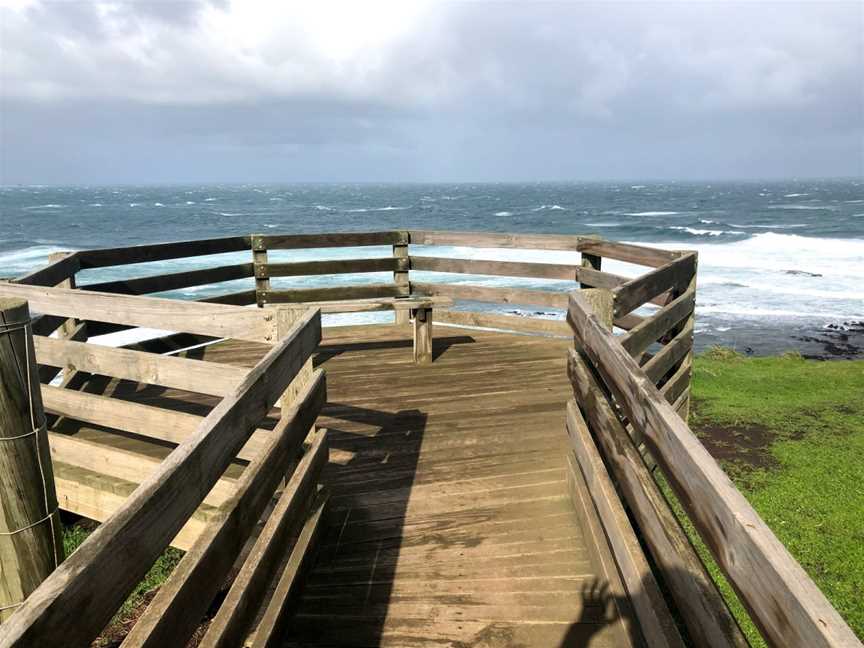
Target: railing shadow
[[374, 456]]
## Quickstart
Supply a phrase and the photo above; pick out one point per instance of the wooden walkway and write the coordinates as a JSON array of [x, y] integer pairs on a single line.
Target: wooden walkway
[[450, 521]]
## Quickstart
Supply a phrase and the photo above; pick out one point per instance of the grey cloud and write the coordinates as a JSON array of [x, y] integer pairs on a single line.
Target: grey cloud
[[145, 92]]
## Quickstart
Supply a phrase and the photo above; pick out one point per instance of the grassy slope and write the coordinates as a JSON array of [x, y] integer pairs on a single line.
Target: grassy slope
[[813, 495]]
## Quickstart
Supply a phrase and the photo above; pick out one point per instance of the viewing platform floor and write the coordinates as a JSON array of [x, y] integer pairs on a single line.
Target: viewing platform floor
[[450, 519]]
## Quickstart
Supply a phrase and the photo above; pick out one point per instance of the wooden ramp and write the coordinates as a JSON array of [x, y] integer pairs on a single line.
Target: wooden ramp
[[450, 522]]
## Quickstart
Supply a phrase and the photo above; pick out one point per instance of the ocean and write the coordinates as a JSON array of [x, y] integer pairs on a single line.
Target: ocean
[[781, 264]]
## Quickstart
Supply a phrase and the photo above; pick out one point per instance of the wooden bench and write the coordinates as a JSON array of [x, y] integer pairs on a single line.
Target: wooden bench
[[420, 308]]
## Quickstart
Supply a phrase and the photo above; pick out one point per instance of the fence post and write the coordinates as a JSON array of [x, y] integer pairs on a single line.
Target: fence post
[[400, 275], [31, 541], [262, 272], [590, 261]]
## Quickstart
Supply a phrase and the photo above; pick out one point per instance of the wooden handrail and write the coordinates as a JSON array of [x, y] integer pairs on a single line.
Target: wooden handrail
[[73, 604], [102, 257], [781, 598]]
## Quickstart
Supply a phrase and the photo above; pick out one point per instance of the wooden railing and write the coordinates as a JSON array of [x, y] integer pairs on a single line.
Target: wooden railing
[[146, 502], [620, 407]]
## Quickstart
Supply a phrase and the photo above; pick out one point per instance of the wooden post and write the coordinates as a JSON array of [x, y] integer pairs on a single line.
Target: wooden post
[[400, 278], [262, 272], [71, 329], [423, 335], [601, 301], [590, 261], [31, 543], [285, 319]]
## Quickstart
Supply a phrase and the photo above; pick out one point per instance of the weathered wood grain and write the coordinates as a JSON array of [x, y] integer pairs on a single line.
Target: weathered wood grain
[[652, 328], [237, 612], [173, 281], [702, 608], [102, 257], [335, 266], [72, 605], [495, 240], [57, 271], [638, 254], [184, 598], [168, 314], [334, 293], [655, 621], [674, 276], [781, 598], [340, 239]]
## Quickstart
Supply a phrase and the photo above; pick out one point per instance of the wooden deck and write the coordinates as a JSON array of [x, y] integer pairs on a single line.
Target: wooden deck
[[450, 520]]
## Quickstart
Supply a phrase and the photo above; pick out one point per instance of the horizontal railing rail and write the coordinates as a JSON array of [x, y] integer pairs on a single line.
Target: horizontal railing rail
[[75, 602], [623, 406]]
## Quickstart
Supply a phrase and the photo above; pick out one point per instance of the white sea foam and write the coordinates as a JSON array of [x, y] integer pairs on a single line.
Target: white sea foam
[[803, 207], [158, 204], [604, 224], [374, 209], [771, 226], [795, 195], [549, 207], [323, 208], [652, 213], [190, 202], [48, 206], [704, 232], [95, 205], [503, 213]]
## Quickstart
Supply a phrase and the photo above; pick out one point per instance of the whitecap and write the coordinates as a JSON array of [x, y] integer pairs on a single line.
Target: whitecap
[[704, 232], [158, 204], [190, 202], [652, 213], [604, 224], [637, 186], [806, 207], [503, 213], [48, 206], [95, 205], [211, 199], [795, 195]]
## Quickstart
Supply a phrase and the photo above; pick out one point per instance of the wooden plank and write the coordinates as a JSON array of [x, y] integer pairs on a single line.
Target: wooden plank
[[173, 281], [495, 295], [638, 254], [231, 623], [122, 464], [135, 418], [336, 293], [781, 598], [401, 278], [238, 298], [674, 276], [496, 240], [334, 240], [170, 314], [670, 354], [99, 258], [504, 268], [150, 368], [336, 266], [53, 273], [379, 304], [97, 497], [679, 382], [178, 607], [658, 324], [74, 603], [701, 606], [506, 322], [653, 616], [272, 628]]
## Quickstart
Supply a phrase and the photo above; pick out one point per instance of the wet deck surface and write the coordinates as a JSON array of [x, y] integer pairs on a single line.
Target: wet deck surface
[[450, 521]]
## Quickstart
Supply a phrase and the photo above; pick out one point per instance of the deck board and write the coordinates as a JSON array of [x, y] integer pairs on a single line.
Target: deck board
[[450, 523]]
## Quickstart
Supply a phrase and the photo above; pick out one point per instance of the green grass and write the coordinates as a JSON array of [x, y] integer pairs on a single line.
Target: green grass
[[74, 535], [811, 491]]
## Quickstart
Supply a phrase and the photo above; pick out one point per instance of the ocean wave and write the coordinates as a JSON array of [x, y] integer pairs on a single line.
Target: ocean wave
[[158, 204], [48, 206], [232, 214], [803, 207], [323, 208], [503, 213], [771, 226], [795, 195], [604, 225], [757, 312], [549, 207], [190, 202], [652, 213], [704, 232], [360, 210]]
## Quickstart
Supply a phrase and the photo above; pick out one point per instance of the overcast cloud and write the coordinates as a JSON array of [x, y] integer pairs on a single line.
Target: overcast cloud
[[103, 92]]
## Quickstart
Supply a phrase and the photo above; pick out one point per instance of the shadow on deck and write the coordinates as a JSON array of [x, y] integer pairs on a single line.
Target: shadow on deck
[[450, 520]]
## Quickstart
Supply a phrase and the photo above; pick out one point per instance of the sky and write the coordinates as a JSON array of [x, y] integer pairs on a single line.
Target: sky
[[102, 92]]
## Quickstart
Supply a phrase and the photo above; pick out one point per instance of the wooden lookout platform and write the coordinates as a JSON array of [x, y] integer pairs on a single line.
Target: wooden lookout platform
[[458, 477]]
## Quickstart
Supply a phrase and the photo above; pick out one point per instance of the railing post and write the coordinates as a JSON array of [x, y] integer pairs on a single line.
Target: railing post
[[262, 272], [684, 409], [400, 274], [285, 319], [31, 544], [590, 261], [71, 329], [601, 302]]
